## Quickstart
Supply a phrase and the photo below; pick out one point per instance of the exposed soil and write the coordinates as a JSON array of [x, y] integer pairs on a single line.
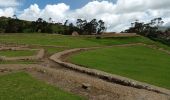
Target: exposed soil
[[73, 81]]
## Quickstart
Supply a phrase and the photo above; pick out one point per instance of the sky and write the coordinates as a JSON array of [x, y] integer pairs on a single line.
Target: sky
[[117, 14]]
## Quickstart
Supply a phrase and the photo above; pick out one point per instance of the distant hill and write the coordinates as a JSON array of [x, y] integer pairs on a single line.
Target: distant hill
[[14, 25], [83, 27]]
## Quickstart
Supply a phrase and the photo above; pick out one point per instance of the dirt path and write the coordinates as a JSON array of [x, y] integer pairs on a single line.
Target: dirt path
[[72, 81], [59, 58], [84, 83]]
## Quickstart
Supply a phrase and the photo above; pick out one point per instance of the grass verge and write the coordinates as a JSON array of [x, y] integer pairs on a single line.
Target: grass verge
[[136, 62], [21, 86]]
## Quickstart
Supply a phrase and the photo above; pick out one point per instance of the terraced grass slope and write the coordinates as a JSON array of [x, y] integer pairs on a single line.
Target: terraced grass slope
[[21, 86], [69, 41], [137, 62]]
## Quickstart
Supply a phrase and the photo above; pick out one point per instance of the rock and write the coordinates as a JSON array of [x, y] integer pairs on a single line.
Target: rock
[[4, 70], [75, 33], [42, 71], [86, 86]]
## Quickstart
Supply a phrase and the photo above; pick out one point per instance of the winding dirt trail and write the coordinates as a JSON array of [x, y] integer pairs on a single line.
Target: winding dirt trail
[[101, 85], [71, 81]]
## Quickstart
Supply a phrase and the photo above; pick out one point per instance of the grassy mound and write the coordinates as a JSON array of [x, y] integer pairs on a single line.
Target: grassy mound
[[136, 62], [69, 41]]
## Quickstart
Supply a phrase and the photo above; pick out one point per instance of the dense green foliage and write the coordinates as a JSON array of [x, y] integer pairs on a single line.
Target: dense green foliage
[[151, 30], [15, 25], [87, 28], [19, 86], [136, 62]]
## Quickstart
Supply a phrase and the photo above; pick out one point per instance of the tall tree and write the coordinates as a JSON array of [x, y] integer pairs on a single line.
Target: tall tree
[[101, 27]]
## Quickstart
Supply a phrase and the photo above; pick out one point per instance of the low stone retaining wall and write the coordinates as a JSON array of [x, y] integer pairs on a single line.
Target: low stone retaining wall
[[103, 75], [13, 48], [39, 56]]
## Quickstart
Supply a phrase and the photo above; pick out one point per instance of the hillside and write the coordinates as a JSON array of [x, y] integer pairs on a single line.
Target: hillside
[[83, 27], [14, 25], [62, 66]]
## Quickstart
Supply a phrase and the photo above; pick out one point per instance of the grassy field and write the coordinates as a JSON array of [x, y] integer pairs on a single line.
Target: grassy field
[[21, 86], [18, 53], [139, 59], [136, 62], [68, 41]]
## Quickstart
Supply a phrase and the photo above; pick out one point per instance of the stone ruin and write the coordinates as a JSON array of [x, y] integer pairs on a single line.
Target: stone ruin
[[3, 47], [75, 33]]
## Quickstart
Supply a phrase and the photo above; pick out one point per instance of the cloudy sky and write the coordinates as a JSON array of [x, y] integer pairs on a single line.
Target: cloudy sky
[[117, 14]]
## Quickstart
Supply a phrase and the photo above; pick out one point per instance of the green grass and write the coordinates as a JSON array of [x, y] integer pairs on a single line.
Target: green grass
[[136, 62], [21, 86], [18, 53], [69, 41], [19, 62]]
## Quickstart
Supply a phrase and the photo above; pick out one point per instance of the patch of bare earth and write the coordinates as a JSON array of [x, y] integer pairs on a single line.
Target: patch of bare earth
[[89, 86], [73, 81]]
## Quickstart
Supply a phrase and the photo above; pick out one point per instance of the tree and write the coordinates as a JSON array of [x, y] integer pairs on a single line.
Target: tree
[[65, 23], [101, 27], [15, 16], [42, 26], [14, 26], [151, 30], [93, 26], [79, 23], [50, 20], [3, 24]]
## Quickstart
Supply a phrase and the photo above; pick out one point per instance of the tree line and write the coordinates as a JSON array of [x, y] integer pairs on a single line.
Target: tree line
[[83, 27], [151, 30]]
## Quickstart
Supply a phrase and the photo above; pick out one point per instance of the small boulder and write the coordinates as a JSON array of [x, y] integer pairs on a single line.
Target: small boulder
[[75, 33], [86, 86]]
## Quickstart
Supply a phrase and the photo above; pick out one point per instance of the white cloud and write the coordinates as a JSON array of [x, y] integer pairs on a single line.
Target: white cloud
[[8, 12], [107, 11], [95, 8], [127, 6], [56, 12], [122, 12], [9, 3], [117, 15], [31, 13], [8, 7]]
